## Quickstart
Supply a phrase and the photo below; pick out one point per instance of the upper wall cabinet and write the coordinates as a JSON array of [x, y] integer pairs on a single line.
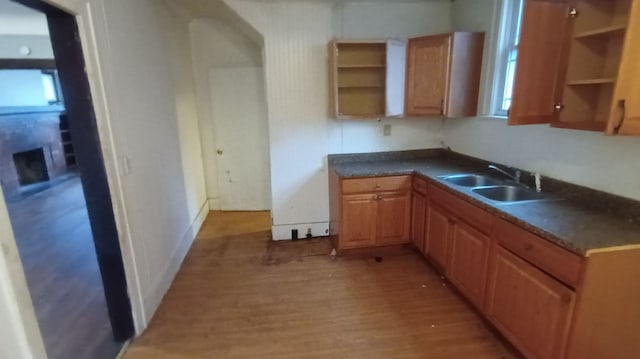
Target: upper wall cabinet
[[367, 78], [625, 119], [443, 74], [569, 64]]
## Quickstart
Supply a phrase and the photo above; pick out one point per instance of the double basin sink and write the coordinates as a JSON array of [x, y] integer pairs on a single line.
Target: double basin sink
[[494, 189]]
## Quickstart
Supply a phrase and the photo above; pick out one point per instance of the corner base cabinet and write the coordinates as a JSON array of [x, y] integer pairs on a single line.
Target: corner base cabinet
[[371, 212]]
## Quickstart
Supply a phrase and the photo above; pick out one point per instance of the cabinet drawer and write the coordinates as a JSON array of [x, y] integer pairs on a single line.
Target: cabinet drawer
[[419, 185], [469, 213], [376, 184], [547, 256]]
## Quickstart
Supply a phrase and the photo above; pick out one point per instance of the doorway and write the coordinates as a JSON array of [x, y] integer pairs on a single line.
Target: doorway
[[59, 202], [242, 138]]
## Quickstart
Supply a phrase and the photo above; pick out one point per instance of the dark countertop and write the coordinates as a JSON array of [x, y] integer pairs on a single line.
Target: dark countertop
[[573, 217]]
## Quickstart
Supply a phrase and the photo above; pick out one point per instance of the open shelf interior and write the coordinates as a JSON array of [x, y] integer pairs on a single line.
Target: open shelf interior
[[361, 77], [594, 61], [361, 102], [364, 54]]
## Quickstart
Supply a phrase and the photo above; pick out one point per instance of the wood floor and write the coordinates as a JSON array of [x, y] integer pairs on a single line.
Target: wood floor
[[56, 247], [240, 295]]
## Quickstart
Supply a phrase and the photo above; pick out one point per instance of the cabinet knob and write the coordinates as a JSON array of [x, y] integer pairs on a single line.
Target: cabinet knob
[[558, 107]]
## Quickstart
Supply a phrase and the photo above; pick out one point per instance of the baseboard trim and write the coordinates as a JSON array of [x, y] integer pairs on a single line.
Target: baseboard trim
[[163, 282], [283, 232]]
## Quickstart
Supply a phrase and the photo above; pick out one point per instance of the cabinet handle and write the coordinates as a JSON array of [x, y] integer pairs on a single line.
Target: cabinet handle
[[621, 113], [558, 107], [442, 107]]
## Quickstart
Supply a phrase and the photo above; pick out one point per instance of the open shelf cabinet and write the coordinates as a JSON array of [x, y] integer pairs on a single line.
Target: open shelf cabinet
[[595, 53], [367, 78]]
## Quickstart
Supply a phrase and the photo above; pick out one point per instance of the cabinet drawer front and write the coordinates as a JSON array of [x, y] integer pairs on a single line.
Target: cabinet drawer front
[[471, 214], [419, 185], [554, 260], [376, 184]]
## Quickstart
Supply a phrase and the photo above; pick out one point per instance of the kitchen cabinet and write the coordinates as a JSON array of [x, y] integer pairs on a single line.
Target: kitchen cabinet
[[367, 78], [457, 242], [542, 53], [529, 307], [443, 74], [438, 230], [418, 213], [359, 211], [549, 302], [469, 261], [625, 119], [569, 63], [374, 211]]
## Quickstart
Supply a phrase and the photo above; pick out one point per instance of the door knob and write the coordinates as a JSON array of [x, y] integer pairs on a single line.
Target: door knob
[[220, 151]]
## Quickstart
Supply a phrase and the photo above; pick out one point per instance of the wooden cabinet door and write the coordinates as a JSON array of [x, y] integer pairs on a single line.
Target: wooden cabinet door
[[394, 218], [626, 121], [468, 264], [428, 69], [358, 221], [418, 219], [529, 307], [543, 53], [438, 227]]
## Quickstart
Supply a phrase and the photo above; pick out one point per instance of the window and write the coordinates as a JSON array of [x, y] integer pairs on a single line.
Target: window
[[507, 55], [51, 88]]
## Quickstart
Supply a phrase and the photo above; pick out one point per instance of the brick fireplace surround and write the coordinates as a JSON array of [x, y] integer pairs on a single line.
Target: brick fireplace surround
[[20, 133]]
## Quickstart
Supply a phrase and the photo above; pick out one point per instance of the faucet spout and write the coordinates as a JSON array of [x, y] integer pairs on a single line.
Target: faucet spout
[[515, 176]]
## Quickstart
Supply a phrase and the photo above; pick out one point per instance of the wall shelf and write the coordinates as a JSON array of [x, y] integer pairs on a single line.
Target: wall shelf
[[601, 81], [603, 31]]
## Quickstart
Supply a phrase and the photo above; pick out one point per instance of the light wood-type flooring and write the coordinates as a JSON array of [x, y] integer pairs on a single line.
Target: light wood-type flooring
[[56, 247], [240, 295]]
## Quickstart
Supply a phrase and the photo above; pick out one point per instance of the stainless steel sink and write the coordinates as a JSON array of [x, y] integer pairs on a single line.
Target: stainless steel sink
[[508, 193], [471, 180]]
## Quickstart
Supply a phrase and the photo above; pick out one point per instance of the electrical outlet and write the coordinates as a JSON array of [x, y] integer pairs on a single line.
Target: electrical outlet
[[386, 129]]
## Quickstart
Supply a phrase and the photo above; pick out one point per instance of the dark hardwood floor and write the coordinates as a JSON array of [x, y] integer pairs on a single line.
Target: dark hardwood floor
[[241, 295], [56, 246]]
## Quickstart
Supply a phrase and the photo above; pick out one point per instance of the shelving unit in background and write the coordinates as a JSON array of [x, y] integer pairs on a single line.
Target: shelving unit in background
[[67, 144]]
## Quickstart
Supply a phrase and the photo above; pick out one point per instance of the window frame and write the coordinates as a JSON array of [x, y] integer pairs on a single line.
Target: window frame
[[53, 74], [508, 42]]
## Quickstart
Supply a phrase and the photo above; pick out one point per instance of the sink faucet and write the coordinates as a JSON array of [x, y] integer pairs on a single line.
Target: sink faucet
[[515, 176]]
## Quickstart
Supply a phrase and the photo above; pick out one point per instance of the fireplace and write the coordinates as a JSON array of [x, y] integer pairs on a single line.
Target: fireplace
[[31, 166]]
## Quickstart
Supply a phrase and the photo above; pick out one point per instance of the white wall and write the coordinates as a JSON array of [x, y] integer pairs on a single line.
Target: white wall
[[19, 332], [296, 37], [150, 93], [16, 19], [21, 88], [141, 80], [585, 158], [21, 26]]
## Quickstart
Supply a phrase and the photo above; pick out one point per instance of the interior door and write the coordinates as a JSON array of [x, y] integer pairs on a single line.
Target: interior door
[[242, 138]]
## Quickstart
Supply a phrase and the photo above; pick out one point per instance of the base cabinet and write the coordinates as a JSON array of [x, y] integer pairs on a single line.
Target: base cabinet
[[438, 229], [529, 307], [469, 261], [360, 212], [394, 218], [373, 211]]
